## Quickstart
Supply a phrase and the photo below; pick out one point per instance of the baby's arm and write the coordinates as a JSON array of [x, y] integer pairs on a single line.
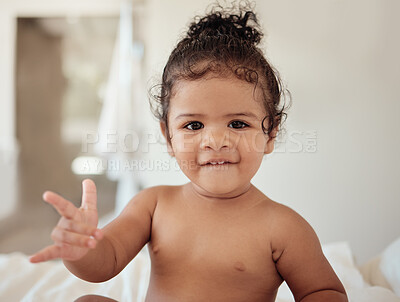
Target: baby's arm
[[301, 263], [123, 239], [119, 243]]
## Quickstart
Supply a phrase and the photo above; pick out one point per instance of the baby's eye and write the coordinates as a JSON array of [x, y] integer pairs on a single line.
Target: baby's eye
[[194, 126], [238, 125]]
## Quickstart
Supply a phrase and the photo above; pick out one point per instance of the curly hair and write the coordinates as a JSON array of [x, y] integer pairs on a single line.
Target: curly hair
[[223, 42]]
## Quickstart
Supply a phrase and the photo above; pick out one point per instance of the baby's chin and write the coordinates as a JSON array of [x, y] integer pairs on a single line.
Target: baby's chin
[[213, 189]]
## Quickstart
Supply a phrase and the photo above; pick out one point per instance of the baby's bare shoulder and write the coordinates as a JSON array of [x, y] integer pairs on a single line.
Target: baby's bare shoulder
[[146, 200], [166, 189], [158, 191], [152, 196], [162, 192], [281, 213], [287, 226]]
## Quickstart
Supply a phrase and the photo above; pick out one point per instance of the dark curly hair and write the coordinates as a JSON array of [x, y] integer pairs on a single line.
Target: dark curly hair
[[224, 42]]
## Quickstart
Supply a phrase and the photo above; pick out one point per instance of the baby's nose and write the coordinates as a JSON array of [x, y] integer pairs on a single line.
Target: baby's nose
[[215, 140]]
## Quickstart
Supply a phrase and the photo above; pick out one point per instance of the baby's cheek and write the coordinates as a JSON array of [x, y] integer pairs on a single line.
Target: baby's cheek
[[185, 144], [187, 165], [253, 144]]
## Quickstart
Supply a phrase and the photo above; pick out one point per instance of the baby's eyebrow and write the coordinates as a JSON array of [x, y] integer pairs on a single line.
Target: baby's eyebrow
[[189, 115], [246, 114]]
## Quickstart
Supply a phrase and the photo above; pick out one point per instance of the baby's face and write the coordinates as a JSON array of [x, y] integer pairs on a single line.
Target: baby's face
[[216, 134]]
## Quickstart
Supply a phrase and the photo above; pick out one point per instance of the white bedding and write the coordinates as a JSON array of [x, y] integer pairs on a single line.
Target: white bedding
[[23, 281]]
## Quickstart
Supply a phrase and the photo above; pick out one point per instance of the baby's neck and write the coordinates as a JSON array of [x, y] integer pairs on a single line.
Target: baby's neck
[[234, 197]]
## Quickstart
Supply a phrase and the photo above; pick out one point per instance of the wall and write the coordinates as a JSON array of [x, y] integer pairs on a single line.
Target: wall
[[9, 11], [339, 60], [42, 8]]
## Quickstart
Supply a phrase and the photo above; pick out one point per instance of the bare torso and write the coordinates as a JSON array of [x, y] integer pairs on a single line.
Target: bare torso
[[211, 251]]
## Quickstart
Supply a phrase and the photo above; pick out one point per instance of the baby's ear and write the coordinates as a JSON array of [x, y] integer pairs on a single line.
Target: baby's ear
[[269, 146], [163, 127]]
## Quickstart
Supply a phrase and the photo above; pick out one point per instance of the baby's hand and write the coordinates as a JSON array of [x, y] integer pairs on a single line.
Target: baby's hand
[[76, 231]]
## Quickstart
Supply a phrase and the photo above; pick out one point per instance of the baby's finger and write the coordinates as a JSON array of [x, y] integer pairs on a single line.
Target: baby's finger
[[62, 237], [89, 195], [80, 228], [48, 253], [64, 207]]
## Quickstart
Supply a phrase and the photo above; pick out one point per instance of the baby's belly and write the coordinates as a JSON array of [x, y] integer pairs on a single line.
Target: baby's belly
[[211, 272], [161, 291], [190, 284], [157, 293]]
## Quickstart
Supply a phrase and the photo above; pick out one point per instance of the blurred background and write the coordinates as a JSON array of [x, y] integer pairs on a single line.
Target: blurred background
[[74, 82]]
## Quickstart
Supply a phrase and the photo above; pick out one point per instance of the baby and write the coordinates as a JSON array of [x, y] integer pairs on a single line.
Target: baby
[[216, 238]]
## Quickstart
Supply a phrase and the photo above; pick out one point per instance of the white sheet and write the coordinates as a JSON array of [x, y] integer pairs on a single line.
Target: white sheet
[[23, 281], [384, 270], [340, 257]]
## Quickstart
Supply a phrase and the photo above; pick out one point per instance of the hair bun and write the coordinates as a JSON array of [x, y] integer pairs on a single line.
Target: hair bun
[[243, 26]]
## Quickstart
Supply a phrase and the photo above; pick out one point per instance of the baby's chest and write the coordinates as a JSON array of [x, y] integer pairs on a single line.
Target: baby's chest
[[232, 247]]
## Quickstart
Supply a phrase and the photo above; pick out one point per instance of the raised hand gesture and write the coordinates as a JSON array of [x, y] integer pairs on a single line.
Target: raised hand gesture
[[76, 231]]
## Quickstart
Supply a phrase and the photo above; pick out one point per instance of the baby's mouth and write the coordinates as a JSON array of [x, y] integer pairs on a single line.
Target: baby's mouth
[[216, 163], [219, 163]]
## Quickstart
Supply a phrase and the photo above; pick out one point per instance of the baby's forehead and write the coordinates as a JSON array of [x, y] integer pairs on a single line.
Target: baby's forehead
[[217, 87], [217, 95]]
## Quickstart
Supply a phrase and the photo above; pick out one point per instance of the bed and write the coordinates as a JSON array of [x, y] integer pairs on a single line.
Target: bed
[[377, 281]]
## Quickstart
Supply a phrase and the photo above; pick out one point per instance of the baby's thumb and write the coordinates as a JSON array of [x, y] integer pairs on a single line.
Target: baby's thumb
[[89, 195]]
